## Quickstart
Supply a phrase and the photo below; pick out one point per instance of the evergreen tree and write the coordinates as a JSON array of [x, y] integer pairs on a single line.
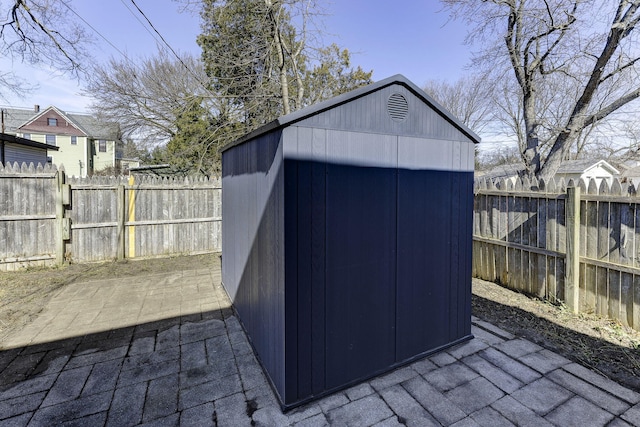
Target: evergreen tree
[[193, 148]]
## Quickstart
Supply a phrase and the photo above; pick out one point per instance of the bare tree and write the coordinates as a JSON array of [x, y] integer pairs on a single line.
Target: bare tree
[[147, 95], [40, 31], [469, 99], [574, 62], [507, 156]]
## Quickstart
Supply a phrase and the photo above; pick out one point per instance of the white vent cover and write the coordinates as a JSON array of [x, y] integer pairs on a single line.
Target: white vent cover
[[397, 107]]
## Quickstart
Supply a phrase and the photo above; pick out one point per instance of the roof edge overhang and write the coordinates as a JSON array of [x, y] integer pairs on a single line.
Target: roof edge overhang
[[605, 165], [320, 107], [4, 137], [59, 112]]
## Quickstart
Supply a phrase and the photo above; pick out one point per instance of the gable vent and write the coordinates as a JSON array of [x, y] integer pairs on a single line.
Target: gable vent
[[397, 107]]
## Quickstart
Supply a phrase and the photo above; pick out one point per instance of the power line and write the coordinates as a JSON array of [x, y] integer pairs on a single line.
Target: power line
[[94, 29], [162, 37], [153, 36], [186, 67], [158, 42]]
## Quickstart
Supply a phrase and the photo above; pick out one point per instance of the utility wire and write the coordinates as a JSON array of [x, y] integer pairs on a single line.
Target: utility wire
[[195, 76], [95, 30], [165, 41], [153, 36]]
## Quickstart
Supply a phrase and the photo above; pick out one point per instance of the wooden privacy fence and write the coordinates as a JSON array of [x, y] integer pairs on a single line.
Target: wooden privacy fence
[[46, 218], [579, 245]]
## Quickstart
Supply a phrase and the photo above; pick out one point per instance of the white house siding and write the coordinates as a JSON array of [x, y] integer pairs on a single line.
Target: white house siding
[[70, 156], [102, 160]]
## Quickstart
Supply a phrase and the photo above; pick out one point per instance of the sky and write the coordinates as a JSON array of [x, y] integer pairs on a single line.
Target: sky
[[403, 37]]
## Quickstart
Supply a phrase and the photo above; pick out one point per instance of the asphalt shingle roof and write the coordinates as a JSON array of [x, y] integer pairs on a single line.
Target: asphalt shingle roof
[[14, 118]]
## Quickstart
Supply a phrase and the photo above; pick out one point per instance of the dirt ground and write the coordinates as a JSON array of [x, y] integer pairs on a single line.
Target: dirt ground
[[602, 345], [599, 344]]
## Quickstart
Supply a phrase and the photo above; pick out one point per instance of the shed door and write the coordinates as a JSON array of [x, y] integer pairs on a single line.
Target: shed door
[[424, 261], [360, 271]]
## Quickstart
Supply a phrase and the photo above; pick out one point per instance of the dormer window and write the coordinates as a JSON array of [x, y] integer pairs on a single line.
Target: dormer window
[[52, 121]]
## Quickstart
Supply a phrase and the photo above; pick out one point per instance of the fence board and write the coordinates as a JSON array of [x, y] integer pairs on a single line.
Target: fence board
[[615, 227], [636, 301], [603, 231], [561, 229], [175, 217], [551, 279], [504, 220], [636, 239], [520, 241], [613, 298], [626, 299], [626, 233], [27, 216], [551, 224]]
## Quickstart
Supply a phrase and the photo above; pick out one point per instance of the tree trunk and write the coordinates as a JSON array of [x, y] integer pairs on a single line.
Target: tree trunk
[[277, 41]]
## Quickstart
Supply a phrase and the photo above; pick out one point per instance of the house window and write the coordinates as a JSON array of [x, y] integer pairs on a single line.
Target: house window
[[74, 140], [26, 135], [50, 139], [52, 121], [102, 145]]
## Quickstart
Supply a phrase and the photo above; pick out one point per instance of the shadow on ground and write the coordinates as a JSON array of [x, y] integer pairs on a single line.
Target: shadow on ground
[[617, 362]]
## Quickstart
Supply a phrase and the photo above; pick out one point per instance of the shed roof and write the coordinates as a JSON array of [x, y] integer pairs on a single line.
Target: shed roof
[[23, 141], [584, 165], [320, 107]]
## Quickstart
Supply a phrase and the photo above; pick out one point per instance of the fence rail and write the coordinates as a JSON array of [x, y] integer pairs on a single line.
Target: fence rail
[[577, 244], [46, 218]]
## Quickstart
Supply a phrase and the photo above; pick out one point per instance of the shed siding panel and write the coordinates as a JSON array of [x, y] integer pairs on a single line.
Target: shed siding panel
[[253, 267], [360, 272], [306, 232], [360, 255], [22, 153], [423, 285], [369, 114]]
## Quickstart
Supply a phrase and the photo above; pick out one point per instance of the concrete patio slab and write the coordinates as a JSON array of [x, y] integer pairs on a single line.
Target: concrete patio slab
[[168, 350]]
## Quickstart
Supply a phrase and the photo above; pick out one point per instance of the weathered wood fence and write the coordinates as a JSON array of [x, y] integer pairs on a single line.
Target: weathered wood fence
[[46, 218], [579, 245]]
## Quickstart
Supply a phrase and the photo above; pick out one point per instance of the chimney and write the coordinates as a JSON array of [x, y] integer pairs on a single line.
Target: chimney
[[36, 108]]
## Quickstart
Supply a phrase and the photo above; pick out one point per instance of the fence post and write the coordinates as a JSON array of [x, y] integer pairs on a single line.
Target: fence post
[[132, 217], [62, 226], [572, 274], [121, 218]]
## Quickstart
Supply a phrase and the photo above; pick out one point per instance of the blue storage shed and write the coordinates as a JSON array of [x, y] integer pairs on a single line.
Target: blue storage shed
[[346, 237], [14, 149]]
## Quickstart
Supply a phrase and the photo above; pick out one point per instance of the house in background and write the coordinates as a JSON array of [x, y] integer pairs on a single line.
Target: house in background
[[14, 149], [586, 170], [84, 145], [569, 169]]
